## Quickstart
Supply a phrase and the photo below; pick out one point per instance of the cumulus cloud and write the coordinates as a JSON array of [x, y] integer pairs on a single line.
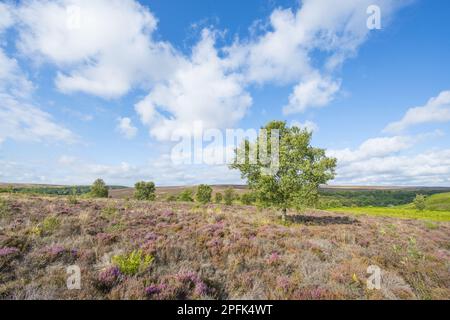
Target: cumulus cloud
[[126, 128], [313, 93], [101, 47], [20, 119], [202, 90], [391, 161], [309, 125], [283, 52], [437, 109]]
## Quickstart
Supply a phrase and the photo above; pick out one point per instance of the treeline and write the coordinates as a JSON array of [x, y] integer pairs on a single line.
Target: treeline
[[363, 198], [55, 191]]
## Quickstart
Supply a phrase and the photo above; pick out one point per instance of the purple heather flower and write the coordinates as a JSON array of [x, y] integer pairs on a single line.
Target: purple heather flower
[[8, 251], [155, 289]]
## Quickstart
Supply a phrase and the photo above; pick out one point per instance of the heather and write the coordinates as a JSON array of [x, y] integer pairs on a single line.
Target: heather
[[129, 249]]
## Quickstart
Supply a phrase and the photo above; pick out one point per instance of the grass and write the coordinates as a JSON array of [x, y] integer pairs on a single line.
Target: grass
[[436, 202], [396, 212]]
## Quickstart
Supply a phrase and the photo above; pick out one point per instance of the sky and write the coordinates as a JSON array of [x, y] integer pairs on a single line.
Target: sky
[[100, 89]]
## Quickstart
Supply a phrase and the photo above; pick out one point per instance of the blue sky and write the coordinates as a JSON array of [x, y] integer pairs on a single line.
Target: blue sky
[[96, 88]]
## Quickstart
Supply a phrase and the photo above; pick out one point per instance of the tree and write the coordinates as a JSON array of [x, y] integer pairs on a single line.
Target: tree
[[218, 197], [248, 198], [203, 193], [300, 169], [186, 196], [228, 196], [419, 202], [99, 189], [144, 191]]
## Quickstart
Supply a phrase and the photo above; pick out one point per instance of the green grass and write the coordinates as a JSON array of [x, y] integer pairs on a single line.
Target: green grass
[[436, 202], [397, 212]]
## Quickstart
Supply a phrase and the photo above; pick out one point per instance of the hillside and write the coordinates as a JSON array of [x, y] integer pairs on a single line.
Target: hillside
[[189, 251]]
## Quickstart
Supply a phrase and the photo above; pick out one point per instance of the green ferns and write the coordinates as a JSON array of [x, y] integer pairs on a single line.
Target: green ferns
[[133, 263]]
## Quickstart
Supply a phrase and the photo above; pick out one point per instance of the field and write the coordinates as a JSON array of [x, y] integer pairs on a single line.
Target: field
[[437, 209], [192, 251]]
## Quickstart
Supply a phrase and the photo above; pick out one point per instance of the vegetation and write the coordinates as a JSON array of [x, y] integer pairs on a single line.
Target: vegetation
[[248, 198], [218, 198], [302, 168], [132, 263], [144, 191], [332, 198], [436, 202], [204, 193], [186, 195], [419, 202], [99, 189], [397, 212], [229, 196], [232, 252]]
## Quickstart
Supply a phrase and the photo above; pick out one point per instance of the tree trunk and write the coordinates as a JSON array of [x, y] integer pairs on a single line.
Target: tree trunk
[[283, 214]]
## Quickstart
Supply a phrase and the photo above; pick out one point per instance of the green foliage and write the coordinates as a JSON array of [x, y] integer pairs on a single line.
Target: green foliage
[[302, 168], [133, 263], [171, 198], [4, 209], [248, 198], [332, 198], [99, 189], [186, 195], [49, 224], [229, 196], [419, 202], [109, 213], [218, 198], [203, 194], [144, 191], [396, 212]]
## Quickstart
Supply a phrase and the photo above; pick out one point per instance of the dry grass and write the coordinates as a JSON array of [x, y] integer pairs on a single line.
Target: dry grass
[[214, 252]]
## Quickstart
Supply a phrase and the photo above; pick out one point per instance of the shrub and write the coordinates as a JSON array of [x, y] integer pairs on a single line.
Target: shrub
[[204, 193], [186, 196], [248, 198], [49, 224], [171, 198], [108, 212], [4, 209], [419, 202], [229, 196], [144, 191], [218, 197], [99, 189], [132, 263]]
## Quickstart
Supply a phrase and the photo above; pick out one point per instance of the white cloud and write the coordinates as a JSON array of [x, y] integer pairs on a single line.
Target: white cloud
[[22, 121], [312, 93], [125, 127], [108, 53], [309, 125], [373, 148], [391, 161], [437, 109], [283, 53], [202, 89]]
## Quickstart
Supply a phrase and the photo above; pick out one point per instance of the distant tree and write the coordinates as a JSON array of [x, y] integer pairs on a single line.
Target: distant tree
[[248, 198], [218, 197], [186, 195], [99, 189], [229, 196], [171, 198], [203, 194], [300, 171], [144, 191], [419, 202]]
